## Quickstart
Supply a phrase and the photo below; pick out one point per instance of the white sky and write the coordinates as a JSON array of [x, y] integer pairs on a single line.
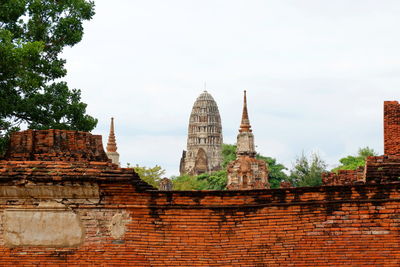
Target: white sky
[[317, 73]]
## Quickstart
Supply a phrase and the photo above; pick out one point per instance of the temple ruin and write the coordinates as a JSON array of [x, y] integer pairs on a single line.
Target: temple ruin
[[204, 141]]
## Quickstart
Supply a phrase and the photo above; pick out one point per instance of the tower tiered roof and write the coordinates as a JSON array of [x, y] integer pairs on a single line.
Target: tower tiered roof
[[111, 144], [245, 125]]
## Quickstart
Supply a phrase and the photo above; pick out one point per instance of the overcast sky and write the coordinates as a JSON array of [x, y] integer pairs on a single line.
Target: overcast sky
[[317, 73]]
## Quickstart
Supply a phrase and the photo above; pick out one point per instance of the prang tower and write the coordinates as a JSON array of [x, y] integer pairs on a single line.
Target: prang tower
[[204, 141], [246, 172]]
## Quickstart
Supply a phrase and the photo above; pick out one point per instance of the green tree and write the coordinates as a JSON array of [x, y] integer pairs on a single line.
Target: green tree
[[151, 176], [213, 181], [228, 154], [353, 162], [33, 34], [307, 172], [206, 181], [187, 182]]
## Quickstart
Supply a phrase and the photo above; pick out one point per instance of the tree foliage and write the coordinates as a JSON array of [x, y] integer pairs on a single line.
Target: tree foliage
[[276, 171], [151, 176], [213, 181], [228, 154], [206, 181], [353, 162], [187, 182], [33, 34], [307, 172]]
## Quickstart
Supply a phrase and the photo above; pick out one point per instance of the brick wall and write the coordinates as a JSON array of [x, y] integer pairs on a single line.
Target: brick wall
[[392, 127], [56, 145], [340, 226], [344, 177], [382, 169]]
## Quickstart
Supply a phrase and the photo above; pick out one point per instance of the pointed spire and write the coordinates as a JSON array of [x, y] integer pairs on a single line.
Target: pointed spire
[[245, 124], [111, 144]]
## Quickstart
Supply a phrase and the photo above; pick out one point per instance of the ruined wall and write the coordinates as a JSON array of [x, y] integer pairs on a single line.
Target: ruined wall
[[382, 169], [344, 177], [377, 169], [55, 145], [86, 213], [341, 226]]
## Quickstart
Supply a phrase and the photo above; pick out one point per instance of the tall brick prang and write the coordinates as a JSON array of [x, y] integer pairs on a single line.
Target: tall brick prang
[[392, 128]]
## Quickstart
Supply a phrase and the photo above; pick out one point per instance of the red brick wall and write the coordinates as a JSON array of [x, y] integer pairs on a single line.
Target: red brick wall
[[55, 145], [392, 127], [344, 177], [340, 226], [382, 169]]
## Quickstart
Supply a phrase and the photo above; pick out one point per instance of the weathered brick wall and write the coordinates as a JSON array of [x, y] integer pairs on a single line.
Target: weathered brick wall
[[377, 169], [338, 226], [56, 145], [344, 177], [392, 127], [382, 169]]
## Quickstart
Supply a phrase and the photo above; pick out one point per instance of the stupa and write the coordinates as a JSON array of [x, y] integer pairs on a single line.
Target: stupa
[[246, 172]]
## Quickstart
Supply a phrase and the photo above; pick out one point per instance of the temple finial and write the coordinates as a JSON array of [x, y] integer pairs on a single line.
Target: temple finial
[[111, 144], [245, 124]]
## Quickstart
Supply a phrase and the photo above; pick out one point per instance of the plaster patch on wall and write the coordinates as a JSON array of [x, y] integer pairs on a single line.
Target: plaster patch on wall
[[118, 224], [51, 204], [49, 228], [87, 191]]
